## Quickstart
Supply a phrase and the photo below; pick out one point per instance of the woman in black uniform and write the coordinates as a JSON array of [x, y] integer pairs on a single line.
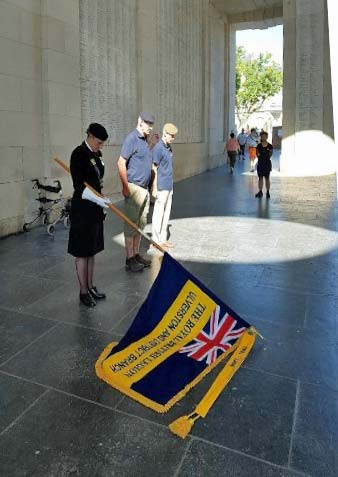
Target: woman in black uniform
[[264, 152], [86, 215]]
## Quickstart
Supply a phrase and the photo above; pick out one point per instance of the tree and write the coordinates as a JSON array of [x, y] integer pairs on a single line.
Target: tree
[[257, 79]]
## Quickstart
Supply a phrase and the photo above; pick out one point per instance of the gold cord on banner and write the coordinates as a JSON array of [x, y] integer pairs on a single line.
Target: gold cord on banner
[[182, 426]]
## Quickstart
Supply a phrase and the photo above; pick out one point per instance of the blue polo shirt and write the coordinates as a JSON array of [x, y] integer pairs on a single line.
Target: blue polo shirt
[[136, 152], [163, 158]]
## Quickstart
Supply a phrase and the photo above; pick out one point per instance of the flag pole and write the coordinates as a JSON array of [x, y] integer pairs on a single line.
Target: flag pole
[[115, 209]]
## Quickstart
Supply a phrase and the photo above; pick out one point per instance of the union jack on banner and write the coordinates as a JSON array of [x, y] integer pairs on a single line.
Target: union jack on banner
[[209, 345]]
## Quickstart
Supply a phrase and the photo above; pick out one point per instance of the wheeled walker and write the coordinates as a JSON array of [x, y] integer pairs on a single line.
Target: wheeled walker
[[53, 207]]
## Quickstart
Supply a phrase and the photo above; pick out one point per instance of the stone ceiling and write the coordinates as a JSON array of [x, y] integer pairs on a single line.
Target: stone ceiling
[[234, 7]]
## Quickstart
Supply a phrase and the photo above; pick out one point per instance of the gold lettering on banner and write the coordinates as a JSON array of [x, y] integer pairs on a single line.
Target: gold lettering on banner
[[184, 319]]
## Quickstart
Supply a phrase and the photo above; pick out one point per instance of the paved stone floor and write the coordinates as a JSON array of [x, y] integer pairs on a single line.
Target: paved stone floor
[[275, 262]]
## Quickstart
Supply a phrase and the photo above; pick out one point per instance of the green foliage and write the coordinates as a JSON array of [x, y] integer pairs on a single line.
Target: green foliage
[[257, 79]]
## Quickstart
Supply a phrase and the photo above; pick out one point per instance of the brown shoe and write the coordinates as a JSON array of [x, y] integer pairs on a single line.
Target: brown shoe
[[133, 265], [143, 261]]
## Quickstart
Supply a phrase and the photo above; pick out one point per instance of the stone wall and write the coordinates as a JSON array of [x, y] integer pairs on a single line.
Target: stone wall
[[39, 100], [66, 63], [20, 108]]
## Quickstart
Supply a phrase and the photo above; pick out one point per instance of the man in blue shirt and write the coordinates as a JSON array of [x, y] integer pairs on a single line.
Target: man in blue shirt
[[134, 166], [163, 185]]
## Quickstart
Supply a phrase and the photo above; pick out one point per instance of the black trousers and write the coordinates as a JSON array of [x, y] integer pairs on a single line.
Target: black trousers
[[232, 157]]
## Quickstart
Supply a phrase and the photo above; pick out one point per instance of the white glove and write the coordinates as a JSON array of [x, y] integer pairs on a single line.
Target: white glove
[[103, 202]]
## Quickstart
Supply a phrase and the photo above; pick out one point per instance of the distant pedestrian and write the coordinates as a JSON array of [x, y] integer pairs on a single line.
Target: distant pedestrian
[[242, 138], [252, 146], [264, 166], [232, 148]]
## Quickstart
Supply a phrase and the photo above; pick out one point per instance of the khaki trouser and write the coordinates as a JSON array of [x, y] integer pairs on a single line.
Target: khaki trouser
[[161, 214], [136, 208]]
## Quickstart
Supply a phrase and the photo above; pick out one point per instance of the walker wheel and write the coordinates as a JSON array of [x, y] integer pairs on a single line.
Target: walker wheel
[[51, 229], [66, 222]]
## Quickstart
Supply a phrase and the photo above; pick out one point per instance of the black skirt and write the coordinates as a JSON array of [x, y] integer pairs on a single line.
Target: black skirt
[[86, 230], [264, 168]]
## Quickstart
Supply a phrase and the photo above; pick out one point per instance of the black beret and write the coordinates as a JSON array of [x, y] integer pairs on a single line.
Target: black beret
[[98, 131]]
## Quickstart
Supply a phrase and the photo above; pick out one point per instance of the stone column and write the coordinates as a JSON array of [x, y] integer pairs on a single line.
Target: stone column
[[332, 8], [307, 146], [232, 81], [216, 77]]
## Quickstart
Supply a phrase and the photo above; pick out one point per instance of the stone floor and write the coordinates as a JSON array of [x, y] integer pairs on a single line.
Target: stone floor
[[275, 262]]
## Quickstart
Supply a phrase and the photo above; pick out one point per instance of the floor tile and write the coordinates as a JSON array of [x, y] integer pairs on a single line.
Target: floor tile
[[65, 359], [18, 330], [284, 308], [254, 415], [307, 280], [18, 291], [204, 459], [15, 397], [322, 313], [296, 353], [63, 436], [63, 305], [315, 441]]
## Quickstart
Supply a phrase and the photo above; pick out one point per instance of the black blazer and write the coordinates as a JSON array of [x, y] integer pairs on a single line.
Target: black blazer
[[86, 166]]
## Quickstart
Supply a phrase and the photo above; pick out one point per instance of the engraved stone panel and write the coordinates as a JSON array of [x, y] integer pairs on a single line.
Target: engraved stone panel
[[217, 54], [108, 65], [180, 87], [309, 66]]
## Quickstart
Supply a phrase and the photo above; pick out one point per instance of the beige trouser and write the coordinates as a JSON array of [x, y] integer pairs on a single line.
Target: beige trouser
[[136, 208], [161, 214]]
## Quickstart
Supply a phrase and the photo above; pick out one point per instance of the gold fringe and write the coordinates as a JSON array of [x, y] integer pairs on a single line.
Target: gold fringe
[[155, 406]]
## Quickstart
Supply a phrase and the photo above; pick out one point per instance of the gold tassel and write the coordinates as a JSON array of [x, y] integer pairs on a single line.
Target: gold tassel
[[183, 425]]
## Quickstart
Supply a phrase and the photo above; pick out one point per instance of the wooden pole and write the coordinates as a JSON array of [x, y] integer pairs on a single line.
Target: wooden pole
[[115, 210]]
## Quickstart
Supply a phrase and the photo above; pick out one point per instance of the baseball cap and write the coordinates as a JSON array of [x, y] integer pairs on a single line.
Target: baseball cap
[[170, 128], [147, 117]]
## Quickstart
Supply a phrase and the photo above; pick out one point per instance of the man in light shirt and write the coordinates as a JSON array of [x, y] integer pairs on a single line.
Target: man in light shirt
[[241, 138]]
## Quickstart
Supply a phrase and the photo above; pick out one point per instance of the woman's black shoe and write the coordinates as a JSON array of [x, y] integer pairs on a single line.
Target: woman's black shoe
[[95, 294], [87, 300]]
